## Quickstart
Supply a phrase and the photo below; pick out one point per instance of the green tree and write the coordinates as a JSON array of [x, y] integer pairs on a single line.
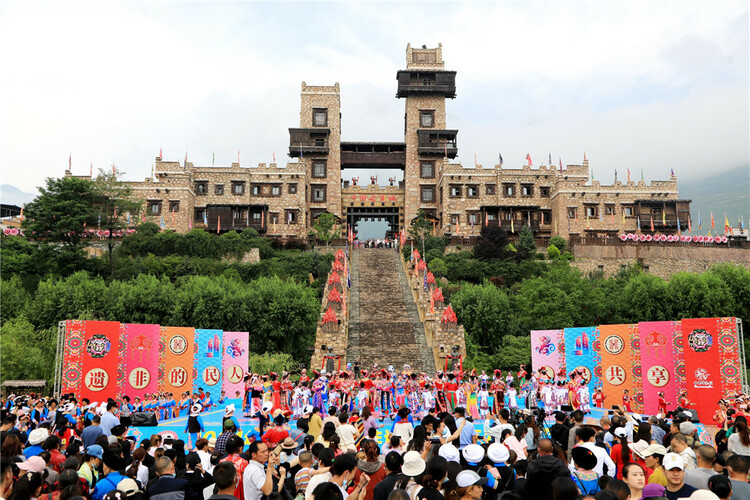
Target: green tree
[[559, 242], [526, 246], [486, 314], [420, 228], [492, 243], [27, 353], [271, 362], [553, 252], [324, 227], [13, 298], [61, 212], [438, 267]]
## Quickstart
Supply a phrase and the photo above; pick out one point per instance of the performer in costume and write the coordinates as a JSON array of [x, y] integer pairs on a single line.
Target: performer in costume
[[286, 391], [599, 398], [194, 425], [626, 401], [275, 384], [471, 389], [498, 392], [512, 397], [450, 389], [684, 401], [662, 405], [483, 398], [441, 401], [583, 397], [317, 391]]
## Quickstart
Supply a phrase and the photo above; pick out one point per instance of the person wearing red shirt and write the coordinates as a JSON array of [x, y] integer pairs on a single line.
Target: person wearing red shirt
[[234, 448], [304, 377], [277, 433], [684, 401], [52, 444], [662, 404], [626, 402], [450, 388], [599, 398]]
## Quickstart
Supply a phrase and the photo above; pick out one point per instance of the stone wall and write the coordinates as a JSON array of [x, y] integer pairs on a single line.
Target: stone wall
[[333, 336], [440, 337], [659, 260]]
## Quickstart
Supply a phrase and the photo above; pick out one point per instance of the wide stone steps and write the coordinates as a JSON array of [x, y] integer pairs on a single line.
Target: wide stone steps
[[384, 326]]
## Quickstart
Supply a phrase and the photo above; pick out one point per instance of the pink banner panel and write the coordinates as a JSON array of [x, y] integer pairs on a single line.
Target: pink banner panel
[[545, 352], [140, 359], [658, 365], [235, 362], [101, 361], [730, 356]]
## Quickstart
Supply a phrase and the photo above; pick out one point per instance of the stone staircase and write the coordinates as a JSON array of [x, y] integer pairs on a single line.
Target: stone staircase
[[384, 325]]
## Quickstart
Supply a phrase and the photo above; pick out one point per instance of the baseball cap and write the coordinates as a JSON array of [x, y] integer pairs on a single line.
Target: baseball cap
[[95, 451], [229, 409], [467, 478], [128, 486], [673, 461], [212, 443], [621, 432], [33, 464]]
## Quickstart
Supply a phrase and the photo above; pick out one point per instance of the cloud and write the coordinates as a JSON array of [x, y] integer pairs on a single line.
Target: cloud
[[632, 83]]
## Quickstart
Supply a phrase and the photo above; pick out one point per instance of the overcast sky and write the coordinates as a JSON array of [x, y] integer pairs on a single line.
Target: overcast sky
[[652, 85]]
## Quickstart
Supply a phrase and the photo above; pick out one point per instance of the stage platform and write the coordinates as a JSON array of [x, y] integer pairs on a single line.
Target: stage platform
[[212, 422]]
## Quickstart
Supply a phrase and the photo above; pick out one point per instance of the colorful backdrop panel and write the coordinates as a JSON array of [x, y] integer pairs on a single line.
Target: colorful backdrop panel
[[658, 367], [176, 356], [616, 362], [730, 356], [208, 364], [72, 373], [580, 353], [545, 352], [235, 362], [140, 359], [101, 362], [702, 364]]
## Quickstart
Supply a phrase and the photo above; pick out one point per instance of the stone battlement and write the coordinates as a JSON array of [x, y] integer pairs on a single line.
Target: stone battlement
[[320, 89]]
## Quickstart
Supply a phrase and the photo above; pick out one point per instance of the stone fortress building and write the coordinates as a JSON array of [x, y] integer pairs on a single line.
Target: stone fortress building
[[284, 200]]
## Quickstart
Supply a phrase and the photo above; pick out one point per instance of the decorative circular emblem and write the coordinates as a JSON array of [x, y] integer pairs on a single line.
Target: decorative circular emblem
[[139, 378], [211, 375], [584, 372], [615, 374], [236, 374], [613, 344], [98, 346], [700, 340], [178, 376], [97, 379], [658, 376], [547, 372], [701, 374], [178, 345]]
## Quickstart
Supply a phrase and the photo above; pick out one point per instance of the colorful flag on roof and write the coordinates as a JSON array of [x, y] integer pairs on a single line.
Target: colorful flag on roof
[[528, 158], [501, 159], [727, 227]]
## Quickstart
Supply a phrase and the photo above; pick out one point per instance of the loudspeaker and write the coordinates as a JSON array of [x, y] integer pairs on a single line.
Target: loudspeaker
[[144, 419], [693, 416], [566, 408]]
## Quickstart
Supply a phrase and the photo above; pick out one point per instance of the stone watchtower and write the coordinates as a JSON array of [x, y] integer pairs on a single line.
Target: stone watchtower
[[425, 84], [317, 143]]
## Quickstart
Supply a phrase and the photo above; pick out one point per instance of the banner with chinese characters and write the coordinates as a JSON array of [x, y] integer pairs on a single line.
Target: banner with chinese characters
[[581, 356], [617, 363], [176, 356], [140, 359], [72, 375], [702, 364], [208, 361], [235, 363], [546, 354], [101, 362], [658, 367]]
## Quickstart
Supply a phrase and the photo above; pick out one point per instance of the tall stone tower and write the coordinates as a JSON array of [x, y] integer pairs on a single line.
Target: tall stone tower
[[317, 143], [425, 84]]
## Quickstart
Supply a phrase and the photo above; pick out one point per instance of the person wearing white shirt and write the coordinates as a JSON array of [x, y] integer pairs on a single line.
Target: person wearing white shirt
[[256, 481], [109, 419], [587, 436], [325, 460]]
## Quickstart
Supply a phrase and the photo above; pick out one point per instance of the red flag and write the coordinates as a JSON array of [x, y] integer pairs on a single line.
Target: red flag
[[113, 169], [486, 219], [190, 222], [432, 304], [584, 156], [274, 156], [262, 219], [560, 165], [173, 216], [218, 227], [160, 155], [652, 223], [528, 158], [712, 220], [690, 226], [628, 175]]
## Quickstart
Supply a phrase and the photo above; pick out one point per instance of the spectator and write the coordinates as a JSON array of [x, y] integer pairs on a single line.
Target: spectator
[[258, 478], [93, 431], [698, 477], [113, 464], [739, 441], [635, 477], [316, 423], [137, 470], [348, 434], [674, 467], [393, 463], [468, 486], [197, 479], [620, 453], [343, 471], [226, 479], [329, 430], [6, 477], [167, 487], [584, 476], [221, 441], [89, 469], [680, 447], [371, 466], [327, 491], [577, 417], [587, 436], [234, 449], [559, 432], [36, 438], [403, 426], [563, 488], [653, 456], [543, 470], [721, 486], [436, 471], [28, 487], [325, 460], [109, 419], [303, 475], [737, 469]]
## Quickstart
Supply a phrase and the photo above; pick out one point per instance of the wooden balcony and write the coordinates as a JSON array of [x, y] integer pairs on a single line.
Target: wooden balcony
[[426, 82], [373, 154], [310, 141], [437, 142]]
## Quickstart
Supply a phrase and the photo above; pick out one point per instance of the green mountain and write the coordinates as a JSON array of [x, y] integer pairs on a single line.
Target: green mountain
[[725, 192]]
